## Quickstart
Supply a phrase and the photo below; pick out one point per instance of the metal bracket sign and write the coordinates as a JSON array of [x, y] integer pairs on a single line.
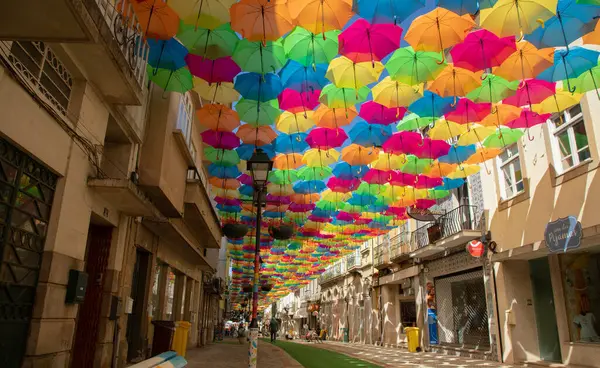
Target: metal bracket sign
[[563, 234]]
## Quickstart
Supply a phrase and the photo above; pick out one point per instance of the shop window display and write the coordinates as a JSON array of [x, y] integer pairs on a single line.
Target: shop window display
[[581, 278]]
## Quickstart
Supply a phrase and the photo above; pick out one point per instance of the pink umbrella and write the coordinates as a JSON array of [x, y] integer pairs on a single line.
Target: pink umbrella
[[432, 148], [403, 142], [213, 71], [294, 101], [481, 50], [228, 201], [348, 217], [426, 182], [363, 41], [295, 207], [531, 91], [527, 119], [374, 113], [278, 199], [399, 178], [363, 221], [342, 186], [319, 219], [245, 179], [396, 211], [325, 138], [424, 204], [225, 140], [374, 176], [467, 111]]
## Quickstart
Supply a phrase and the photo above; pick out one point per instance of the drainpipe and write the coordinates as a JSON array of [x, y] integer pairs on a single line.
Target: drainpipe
[[500, 344]]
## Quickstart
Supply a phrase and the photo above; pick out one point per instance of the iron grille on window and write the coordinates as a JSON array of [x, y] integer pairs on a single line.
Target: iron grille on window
[[37, 66], [461, 310]]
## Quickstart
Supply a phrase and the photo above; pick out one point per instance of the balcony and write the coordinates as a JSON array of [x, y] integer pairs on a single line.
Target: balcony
[[353, 261], [103, 37], [381, 256], [456, 227], [400, 247], [199, 213], [334, 273]]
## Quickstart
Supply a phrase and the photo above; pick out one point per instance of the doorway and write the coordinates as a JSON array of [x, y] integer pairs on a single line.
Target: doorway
[[136, 339], [545, 316]]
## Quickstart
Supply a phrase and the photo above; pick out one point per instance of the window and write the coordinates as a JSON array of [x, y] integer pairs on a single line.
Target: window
[[570, 142], [510, 176], [41, 70], [170, 294], [185, 120]]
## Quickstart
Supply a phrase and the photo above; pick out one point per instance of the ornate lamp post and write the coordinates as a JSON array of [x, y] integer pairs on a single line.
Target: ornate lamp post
[[259, 166]]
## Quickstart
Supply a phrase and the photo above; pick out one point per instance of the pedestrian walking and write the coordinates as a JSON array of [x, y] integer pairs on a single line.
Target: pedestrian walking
[[273, 327]]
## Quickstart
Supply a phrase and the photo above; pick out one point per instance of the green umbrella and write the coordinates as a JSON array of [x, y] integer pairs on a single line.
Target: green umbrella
[[503, 137], [283, 176], [258, 113], [208, 43], [437, 193], [414, 122], [179, 80], [330, 206], [383, 201], [588, 81], [415, 165], [258, 57], [336, 98], [314, 173], [310, 49], [493, 89], [410, 67], [370, 189], [384, 219], [356, 208], [222, 156]]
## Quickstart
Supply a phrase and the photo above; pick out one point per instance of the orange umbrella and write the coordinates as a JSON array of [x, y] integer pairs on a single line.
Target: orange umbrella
[[438, 30], [319, 16], [355, 154], [224, 183], [288, 161], [503, 114], [156, 18], [526, 62], [453, 81], [441, 169], [305, 198], [483, 154], [334, 118], [258, 136], [261, 20], [218, 117], [592, 37]]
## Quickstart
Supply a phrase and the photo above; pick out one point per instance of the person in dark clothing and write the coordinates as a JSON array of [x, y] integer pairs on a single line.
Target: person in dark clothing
[[273, 327]]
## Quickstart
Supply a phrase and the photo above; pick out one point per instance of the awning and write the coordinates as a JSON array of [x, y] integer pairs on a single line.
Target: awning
[[300, 313]]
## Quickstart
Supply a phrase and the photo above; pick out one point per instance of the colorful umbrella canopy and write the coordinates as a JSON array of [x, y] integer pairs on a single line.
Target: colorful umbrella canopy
[[482, 49], [412, 67], [363, 41], [453, 81], [206, 42], [203, 13], [517, 17], [261, 20], [345, 73], [319, 16], [309, 49], [213, 71], [218, 117], [157, 19], [258, 57], [526, 62], [179, 80], [387, 11]]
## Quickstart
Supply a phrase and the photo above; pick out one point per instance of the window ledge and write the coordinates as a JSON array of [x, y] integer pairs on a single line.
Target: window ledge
[[518, 198], [183, 147], [573, 172]]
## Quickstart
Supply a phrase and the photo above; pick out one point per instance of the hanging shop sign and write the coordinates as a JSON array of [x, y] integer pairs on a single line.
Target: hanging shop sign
[[421, 214], [475, 248], [563, 234]]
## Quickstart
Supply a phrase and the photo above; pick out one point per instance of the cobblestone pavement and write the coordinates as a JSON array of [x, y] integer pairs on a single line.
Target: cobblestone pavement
[[230, 354], [394, 357]]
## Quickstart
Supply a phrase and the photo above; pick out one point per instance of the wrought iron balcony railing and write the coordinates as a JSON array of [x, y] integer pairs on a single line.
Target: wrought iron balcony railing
[[400, 244], [453, 222], [353, 260]]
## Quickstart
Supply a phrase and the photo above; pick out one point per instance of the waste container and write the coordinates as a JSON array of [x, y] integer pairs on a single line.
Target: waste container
[[346, 332], [182, 329], [412, 335], [163, 336]]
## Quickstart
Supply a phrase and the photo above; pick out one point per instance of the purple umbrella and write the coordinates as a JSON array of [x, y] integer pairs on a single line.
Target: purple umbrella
[[225, 140]]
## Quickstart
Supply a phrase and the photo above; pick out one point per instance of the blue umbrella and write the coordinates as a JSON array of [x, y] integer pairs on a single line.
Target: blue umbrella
[[166, 54], [309, 186], [387, 11], [223, 172], [466, 6], [450, 184], [572, 21], [345, 171], [368, 135], [291, 143], [458, 154], [303, 79], [245, 151], [362, 200], [258, 87], [570, 64], [232, 209], [246, 190], [377, 208], [319, 212], [271, 214], [431, 104]]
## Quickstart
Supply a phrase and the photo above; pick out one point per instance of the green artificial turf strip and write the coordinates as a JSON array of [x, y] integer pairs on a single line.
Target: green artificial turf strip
[[313, 357]]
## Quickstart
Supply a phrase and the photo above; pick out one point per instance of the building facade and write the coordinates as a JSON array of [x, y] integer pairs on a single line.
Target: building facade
[[102, 176]]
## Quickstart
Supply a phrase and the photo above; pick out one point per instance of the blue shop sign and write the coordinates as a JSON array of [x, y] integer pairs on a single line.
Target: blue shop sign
[[563, 234]]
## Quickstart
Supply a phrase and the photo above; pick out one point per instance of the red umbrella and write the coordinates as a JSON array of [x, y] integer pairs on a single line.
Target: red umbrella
[[363, 41], [294, 101], [399, 178], [213, 71], [432, 148], [531, 91], [325, 138], [426, 182], [403, 142], [527, 119], [481, 50], [467, 111], [374, 176], [342, 186], [375, 113]]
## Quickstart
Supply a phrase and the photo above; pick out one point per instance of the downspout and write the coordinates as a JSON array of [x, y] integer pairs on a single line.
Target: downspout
[[500, 344]]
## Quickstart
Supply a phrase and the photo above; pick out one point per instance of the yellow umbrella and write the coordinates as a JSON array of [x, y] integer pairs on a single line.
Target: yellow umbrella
[[391, 93], [355, 154], [483, 154], [225, 193], [316, 157], [388, 161], [344, 73], [203, 13], [502, 115], [464, 170], [454, 81], [334, 118], [558, 102], [516, 17], [335, 197], [438, 30], [526, 62], [288, 161], [289, 122], [222, 92], [475, 134], [445, 129], [280, 189]]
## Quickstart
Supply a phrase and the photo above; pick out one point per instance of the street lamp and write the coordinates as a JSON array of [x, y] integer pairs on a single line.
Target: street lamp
[[259, 166]]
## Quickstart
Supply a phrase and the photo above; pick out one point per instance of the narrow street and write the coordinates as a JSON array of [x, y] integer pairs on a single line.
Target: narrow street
[[230, 354]]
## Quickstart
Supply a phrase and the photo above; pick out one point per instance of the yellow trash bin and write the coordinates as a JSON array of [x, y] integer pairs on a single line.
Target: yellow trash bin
[[412, 335], [180, 340]]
